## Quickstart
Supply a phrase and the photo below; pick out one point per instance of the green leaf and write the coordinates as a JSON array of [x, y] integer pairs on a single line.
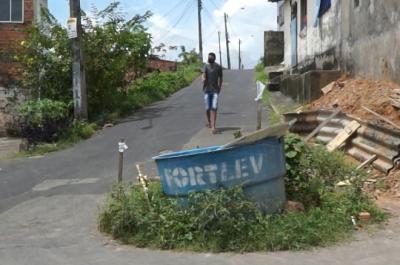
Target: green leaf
[[291, 154]]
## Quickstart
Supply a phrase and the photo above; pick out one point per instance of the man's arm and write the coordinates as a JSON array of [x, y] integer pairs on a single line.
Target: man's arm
[[220, 79], [204, 76]]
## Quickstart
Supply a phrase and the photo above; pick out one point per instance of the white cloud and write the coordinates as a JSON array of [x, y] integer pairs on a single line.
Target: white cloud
[[247, 21], [163, 32]]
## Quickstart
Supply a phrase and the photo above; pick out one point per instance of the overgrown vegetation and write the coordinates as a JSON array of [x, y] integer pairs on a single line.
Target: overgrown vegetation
[[260, 73], [224, 220], [262, 77], [47, 126], [116, 51], [268, 97]]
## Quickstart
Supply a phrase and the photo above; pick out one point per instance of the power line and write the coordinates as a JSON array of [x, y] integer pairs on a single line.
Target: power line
[[216, 26], [185, 12], [231, 28], [173, 8]]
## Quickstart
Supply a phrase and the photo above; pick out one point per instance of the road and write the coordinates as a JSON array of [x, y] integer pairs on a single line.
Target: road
[[48, 205]]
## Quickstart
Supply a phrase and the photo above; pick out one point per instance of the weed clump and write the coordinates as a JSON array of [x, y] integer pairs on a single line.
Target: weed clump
[[224, 220]]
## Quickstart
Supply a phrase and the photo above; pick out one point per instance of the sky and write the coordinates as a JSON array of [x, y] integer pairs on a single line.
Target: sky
[[174, 23]]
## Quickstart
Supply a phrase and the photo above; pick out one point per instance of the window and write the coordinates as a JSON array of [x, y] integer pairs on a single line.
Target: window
[[303, 14], [325, 5], [11, 10], [281, 18]]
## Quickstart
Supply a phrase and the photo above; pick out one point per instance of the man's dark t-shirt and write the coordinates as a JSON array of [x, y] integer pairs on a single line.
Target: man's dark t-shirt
[[212, 72]]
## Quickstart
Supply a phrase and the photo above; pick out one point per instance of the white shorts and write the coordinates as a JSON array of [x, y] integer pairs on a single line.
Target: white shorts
[[211, 100]]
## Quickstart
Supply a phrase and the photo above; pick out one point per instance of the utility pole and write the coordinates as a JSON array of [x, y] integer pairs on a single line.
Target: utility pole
[[219, 43], [78, 69], [228, 57], [240, 56], [199, 7]]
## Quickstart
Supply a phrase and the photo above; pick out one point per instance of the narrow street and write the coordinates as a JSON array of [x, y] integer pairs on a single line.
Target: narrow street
[[48, 205]]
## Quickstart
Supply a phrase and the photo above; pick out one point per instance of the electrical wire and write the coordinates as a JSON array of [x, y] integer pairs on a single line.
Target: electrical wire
[[183, 14], [214, 30], [181, 2]]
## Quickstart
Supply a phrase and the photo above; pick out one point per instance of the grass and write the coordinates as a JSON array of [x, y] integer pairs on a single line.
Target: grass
[[268, 98], [224, 220]]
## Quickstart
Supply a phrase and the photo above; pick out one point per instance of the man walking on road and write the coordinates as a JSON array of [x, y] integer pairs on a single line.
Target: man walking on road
[[212, 78]]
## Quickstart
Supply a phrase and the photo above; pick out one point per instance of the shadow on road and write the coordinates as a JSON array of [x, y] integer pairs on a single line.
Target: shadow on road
[[148, 113]]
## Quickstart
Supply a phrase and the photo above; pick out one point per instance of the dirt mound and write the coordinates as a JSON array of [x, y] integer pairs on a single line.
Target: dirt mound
[[351, 94]]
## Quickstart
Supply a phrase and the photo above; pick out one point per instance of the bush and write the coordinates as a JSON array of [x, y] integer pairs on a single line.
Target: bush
[[113, 47], [116, 52], [79, 130], [153, 87], [310, 170], [224, 220], [42, 120]]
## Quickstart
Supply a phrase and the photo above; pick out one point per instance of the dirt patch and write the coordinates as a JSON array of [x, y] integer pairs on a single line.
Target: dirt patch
[[351, 94]]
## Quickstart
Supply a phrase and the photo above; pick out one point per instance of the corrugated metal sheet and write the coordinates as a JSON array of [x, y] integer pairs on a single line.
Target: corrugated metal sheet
[[370, 139]]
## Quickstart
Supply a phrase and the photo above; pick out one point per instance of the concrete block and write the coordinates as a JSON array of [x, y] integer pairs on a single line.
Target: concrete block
[[307, 87], [314, 81], [273, 86], [272, 75], [9, 146], [273, 47]]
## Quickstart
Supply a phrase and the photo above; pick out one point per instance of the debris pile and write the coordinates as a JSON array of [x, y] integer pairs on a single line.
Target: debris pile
[[352, 96], [392, 183], [372, 101]]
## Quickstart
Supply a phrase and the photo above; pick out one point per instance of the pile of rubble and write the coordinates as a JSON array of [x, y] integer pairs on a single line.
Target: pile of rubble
[[373, 102], [354, 96]]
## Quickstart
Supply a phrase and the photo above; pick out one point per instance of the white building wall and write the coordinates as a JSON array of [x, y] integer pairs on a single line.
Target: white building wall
[[312, 40], [286, 29]]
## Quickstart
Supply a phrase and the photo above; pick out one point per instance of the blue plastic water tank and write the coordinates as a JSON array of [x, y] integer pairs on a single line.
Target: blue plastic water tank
[[259, 167]]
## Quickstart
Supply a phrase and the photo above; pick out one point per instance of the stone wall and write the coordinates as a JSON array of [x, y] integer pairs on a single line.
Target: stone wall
[[9, 98], [304, 88], [371, 39]]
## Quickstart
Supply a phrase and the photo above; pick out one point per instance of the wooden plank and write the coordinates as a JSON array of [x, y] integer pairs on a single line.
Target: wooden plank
[[343, 135], [367, 162], [328, 88], [323, 124], [381, 117], [273, 131], [259, 114]]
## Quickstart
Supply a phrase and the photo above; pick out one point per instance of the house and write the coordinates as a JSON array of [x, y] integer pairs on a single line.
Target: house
[[360, 37], [155, 63], [15, 15]]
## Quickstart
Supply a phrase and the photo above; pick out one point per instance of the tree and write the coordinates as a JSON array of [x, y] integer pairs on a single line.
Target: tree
[[189, 58], [113, 46]]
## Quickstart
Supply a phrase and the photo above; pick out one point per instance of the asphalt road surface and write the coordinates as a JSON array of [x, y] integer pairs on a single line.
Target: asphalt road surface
[[48, 205]]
